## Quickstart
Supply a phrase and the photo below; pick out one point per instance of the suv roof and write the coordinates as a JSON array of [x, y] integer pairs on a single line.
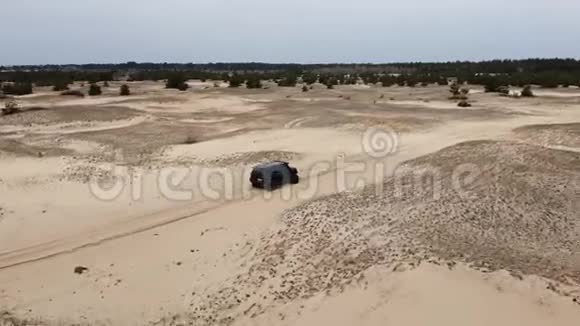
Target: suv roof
[[270, 165]]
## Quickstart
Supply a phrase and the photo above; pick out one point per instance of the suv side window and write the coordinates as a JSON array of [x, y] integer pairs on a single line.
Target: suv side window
[[277, 176]]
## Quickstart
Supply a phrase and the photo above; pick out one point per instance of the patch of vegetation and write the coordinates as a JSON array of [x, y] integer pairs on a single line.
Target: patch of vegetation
[[527, 91], [458, 93], [492, 74], [387, 81], [288, 81], [331, 82], [177, 81], [18, 88], [124, 90], [253, 82], [235, 81], [73, 93], [454, 90], [503, 90], [494, 84], [309, 78], [10, 107], [60, 86], [95, 90], [464, 104]]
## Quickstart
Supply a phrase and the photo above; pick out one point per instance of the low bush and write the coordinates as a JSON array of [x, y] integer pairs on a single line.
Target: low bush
[[288, 81], [495, 84], [235, 81], [124, 90], [503, 90], [458, 93], [10, 107], [177, 81], [527, 91], [254, 82], [72, 93], [17, 88], [95, 90], [60, 86], [464, 104]]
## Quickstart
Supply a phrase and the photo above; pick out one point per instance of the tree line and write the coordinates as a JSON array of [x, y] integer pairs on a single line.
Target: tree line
[[18, 80]]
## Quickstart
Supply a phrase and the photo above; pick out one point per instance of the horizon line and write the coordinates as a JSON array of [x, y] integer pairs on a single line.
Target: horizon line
[[292, 63]]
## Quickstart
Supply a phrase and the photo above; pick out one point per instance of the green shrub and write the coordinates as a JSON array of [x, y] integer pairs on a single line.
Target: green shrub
[[177, 81], [73, 93], [310, 78], [17, 88], [503, 90], [527, 91], [463, 104], [95, 90], [254, 82], [494, 84], [454, 90], [124, 90], [10, 107], [288, 81], [60, 86], [458, 93], [387, 81], [331, 82], [235, 81]]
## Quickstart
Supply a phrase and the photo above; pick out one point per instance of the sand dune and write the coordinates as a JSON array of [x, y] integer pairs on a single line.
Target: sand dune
[[472, 221]]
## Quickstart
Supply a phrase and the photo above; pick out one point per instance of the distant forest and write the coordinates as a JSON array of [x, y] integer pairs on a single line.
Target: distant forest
[[494, 73]]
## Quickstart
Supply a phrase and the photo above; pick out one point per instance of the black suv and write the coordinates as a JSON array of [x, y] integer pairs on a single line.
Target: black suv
[[273, 175]]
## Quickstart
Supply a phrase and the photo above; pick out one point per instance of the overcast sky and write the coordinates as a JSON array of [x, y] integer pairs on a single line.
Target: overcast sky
[[305, 31]]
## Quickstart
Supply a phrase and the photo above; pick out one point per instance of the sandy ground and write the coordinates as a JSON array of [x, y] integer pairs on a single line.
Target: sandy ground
[[150, 194]]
